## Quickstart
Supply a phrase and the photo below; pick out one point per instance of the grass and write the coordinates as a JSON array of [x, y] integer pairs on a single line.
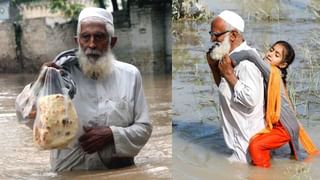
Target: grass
[[298, 172], [303, 83]]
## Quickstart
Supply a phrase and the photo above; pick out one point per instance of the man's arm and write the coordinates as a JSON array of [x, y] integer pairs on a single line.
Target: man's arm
[[129, 140], [253, 57], [227, 71], [248, 90], [246, 87]]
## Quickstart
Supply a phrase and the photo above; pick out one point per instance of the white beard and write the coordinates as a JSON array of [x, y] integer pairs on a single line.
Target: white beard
[[221, 49], [98, 68]]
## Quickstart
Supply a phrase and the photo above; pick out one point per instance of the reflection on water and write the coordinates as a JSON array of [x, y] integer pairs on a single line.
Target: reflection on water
[[21, 160], [199, 151]]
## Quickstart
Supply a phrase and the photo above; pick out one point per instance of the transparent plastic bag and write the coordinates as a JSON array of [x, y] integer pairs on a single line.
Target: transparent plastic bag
[[26, 100], [56, 123]]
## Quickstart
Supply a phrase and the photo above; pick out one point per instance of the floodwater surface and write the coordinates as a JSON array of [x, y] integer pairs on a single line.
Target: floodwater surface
[[21, 160], [199, 150]]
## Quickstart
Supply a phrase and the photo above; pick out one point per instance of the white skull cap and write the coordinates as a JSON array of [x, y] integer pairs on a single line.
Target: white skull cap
[[96, 12], [233, 19]]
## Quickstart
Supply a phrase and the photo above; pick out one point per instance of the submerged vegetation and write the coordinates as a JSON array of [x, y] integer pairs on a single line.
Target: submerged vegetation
[[262, 10], [298, 172], [304, 83], [197, 95], [314, 7]]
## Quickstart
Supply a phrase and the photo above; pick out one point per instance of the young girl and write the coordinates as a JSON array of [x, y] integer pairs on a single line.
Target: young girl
[[283, 127], [281, 55]]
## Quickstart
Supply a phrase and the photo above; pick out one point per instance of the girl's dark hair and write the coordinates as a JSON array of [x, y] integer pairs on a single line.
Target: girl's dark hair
[[288, 58]]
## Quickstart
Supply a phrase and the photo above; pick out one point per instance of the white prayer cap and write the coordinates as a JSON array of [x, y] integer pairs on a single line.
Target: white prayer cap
[[96, 12], [233, 19]]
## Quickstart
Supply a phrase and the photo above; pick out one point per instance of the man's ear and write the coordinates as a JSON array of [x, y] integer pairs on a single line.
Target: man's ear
[[113, 41], [75, 38], [233, 35], [283, 65]]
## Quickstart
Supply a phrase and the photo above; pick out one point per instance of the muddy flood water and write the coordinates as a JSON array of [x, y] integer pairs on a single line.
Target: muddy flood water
[[199, 151], [19, 159]]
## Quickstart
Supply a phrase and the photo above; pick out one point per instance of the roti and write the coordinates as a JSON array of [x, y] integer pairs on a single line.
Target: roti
[[56, 123]]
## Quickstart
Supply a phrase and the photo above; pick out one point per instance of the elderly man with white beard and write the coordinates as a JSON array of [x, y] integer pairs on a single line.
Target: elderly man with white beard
[[241, 88], [108, 97]]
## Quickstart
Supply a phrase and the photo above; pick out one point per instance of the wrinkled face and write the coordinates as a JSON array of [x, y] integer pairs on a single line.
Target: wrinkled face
[[275, 55], [93, 39], [218, 30], [220, 39]]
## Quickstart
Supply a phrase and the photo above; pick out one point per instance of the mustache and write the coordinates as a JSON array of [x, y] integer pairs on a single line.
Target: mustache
[[216, 44], [219, 49], [92, 52]]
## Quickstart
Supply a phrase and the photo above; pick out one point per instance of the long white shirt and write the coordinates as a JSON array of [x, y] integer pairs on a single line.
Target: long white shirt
[[242, 109], [118, 102]]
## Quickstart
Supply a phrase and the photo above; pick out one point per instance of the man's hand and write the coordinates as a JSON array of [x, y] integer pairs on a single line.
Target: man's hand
[[54, 65], [225, 66], [95, 139], [227, 71]]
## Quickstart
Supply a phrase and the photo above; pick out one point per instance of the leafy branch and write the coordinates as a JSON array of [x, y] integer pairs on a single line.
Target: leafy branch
[[69, 10]]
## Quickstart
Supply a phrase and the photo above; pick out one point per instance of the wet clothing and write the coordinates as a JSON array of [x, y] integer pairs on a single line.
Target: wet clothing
[[261, 144], [242, 109], [287, 118], [274, 135], [118, 102]]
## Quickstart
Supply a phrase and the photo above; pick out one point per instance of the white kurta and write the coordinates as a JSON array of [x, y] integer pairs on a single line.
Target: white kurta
[[118, 102], [242, 110]]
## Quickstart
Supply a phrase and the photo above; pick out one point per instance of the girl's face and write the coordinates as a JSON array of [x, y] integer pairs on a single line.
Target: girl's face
[[275, 56]]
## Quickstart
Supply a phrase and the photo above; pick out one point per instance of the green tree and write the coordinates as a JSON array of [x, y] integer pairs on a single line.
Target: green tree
[[72, 10], [69, 10]]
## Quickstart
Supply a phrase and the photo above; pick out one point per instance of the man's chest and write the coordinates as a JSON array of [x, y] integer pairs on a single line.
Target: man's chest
[[104, 103]]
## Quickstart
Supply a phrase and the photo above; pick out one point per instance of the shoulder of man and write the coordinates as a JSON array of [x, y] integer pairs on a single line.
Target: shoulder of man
[[66, 58], [246, 66], [245, 54], [126, 67]]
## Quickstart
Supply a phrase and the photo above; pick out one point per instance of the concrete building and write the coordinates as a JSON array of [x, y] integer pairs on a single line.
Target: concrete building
[[142, 28]]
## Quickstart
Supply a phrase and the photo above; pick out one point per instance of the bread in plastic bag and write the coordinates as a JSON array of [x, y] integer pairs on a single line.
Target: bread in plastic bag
[[56, 123]]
